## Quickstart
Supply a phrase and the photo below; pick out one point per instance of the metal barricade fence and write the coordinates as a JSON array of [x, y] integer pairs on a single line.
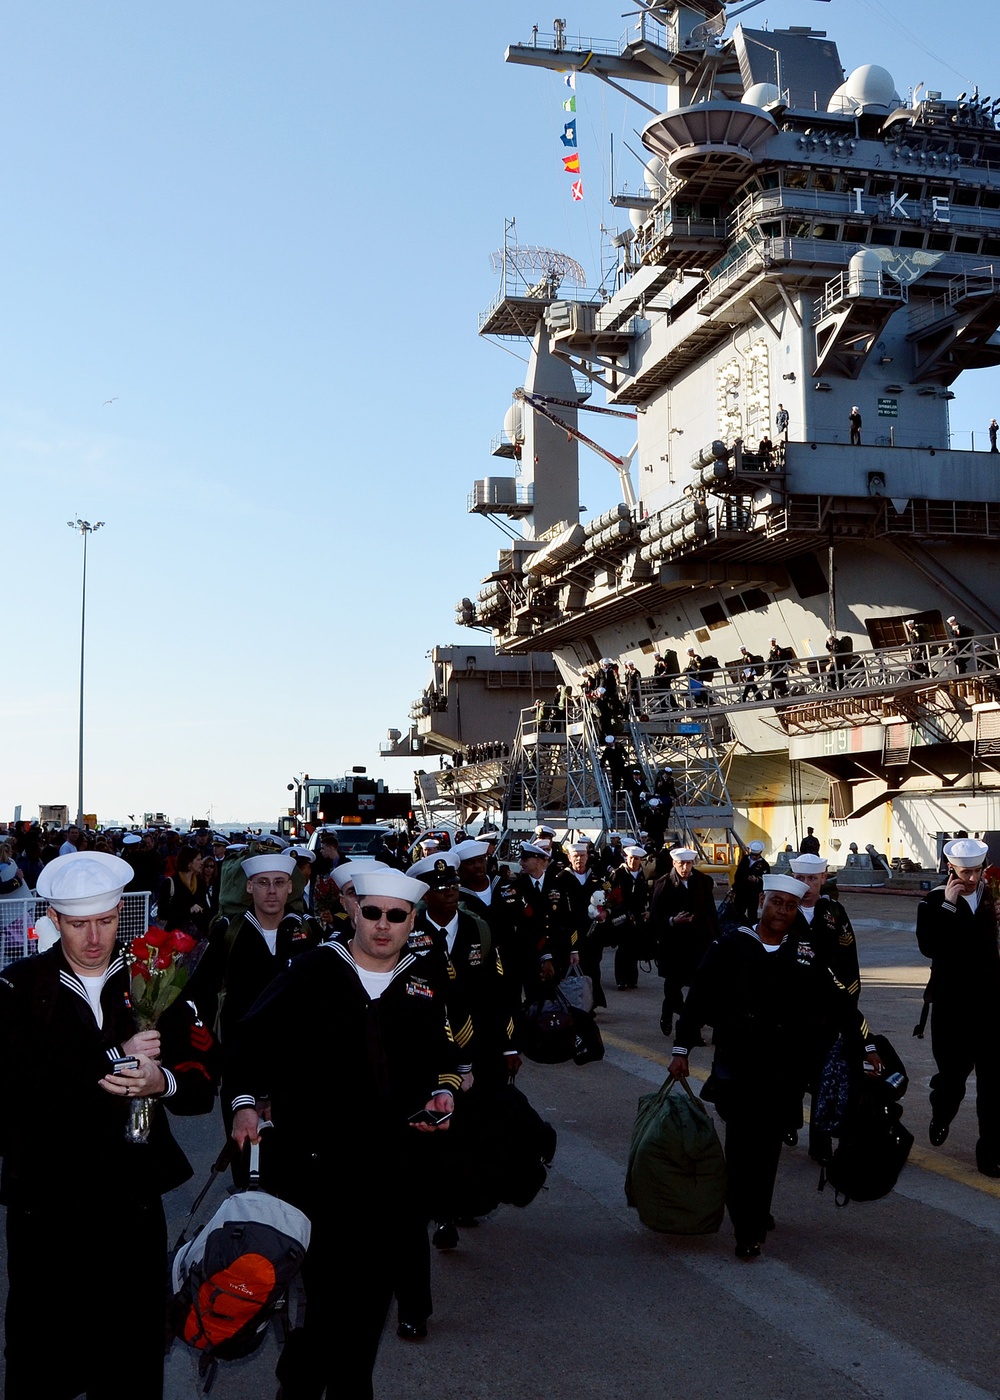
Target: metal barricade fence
[[18, 918]]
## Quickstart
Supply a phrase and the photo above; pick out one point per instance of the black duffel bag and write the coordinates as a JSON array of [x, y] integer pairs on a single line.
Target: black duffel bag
[[548, 1033], [873, 1144]]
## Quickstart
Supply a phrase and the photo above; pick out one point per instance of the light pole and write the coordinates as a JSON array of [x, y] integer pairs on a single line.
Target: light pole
[[85, 528]]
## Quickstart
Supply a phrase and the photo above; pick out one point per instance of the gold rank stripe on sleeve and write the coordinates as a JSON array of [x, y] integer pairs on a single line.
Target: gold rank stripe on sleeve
[[462, 1036], [451, 1082], [447, 1026], [510, 1029]]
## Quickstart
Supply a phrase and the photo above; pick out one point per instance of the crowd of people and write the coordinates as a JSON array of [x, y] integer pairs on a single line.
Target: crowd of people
[[403, 981]]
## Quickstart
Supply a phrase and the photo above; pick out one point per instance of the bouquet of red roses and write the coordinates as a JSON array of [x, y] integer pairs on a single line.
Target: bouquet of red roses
[[160, 964]]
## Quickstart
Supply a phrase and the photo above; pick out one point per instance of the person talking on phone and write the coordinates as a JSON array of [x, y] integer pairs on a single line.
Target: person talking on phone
[[957, 930], [349, 1054]]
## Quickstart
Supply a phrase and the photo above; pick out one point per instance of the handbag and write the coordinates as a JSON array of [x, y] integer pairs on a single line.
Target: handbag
[[548, 1033], [577, 989]]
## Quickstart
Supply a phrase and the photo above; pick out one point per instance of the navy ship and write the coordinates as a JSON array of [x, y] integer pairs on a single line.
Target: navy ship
[[806, 265]]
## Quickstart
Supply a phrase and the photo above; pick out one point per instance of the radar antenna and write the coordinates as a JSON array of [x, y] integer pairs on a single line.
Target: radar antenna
[[518, 259]]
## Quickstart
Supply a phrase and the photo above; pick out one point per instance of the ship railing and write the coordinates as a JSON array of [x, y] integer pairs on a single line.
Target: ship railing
[[789, 200], [561, 41], [980, 282], [846, 286], [879, 671]]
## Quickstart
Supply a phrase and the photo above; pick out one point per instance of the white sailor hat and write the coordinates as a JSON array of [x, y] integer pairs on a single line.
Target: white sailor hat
[[131, 838], [600, 690], [471, 850], [756, 847], [667, 768], [808, 864], [614, 836], [532, 848], [772, 639], [437, 870], [691, 651], [951, 619], [786, 884], [609, 738], [342, 875], [638, 851], [272, 862], [387, 884], [301, 853], [84, 883], [430, 844], [967, 853], [654, 802], [583, 847], [545, 831], [683, 853]]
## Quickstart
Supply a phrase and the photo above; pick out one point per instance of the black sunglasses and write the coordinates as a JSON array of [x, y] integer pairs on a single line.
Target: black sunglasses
[[373, 913]]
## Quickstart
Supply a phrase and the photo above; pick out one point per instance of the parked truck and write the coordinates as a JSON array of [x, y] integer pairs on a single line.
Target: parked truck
[[353, 800]]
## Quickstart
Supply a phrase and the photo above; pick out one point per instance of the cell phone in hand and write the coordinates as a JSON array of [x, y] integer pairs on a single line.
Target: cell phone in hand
[[427, 1116], [124, 1062]]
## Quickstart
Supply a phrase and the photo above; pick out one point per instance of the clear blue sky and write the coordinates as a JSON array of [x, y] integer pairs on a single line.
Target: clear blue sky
[[263, 229]]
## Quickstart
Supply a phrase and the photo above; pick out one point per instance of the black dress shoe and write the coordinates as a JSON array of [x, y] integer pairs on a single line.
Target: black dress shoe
[[748, 1252], [791, 1138], [937, 1132], [445, 1236], [987, 1166], [414, 1331]]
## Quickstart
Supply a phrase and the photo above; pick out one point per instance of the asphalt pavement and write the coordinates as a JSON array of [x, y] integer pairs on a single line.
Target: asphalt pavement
[[572, 1297]]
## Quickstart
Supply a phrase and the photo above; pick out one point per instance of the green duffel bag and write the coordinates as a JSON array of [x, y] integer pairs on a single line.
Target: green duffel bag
[[676, 1176]]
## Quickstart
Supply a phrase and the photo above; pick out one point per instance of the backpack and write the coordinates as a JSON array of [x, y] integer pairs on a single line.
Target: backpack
[[709, 666], [676, 1175], [873, 1144], [228, 1280], [233, 896]]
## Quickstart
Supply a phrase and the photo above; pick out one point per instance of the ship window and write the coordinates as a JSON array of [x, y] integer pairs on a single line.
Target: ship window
[[823, 180], [882, 187], [991, 246], [824, 231], [855, 233], [806, 573], [890, 632], [735, 605], [912, 191], [771, 230], [964, 196], [755, 598], [990, 199], [715, 616], [884, 237], [795, 179], [911, 240], [940, 242], [708, 209], [798, 229], [769, 180], [966, 245]]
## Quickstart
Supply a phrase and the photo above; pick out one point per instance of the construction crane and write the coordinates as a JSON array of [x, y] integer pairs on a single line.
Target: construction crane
[[541, 403]]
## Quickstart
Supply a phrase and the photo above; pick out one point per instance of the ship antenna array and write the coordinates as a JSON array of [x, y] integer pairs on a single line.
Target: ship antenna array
[[520, 259]]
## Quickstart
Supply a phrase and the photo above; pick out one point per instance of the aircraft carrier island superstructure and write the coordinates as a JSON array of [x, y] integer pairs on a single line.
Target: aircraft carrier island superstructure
[[801, 243]]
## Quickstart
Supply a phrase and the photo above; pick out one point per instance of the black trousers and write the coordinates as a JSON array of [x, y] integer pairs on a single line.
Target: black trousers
[[86, 1313], [348, 1277], [964, 1039], [591, 953], [754, 1130]]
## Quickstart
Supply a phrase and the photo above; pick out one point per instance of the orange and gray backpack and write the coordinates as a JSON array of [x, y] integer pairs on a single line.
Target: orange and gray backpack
[[228, 1281]]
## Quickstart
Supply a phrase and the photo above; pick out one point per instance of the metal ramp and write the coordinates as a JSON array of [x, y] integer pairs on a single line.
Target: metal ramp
[[556, 775]]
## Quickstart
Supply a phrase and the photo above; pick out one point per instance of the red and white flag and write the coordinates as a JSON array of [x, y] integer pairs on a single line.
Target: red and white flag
[[576, 189]]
